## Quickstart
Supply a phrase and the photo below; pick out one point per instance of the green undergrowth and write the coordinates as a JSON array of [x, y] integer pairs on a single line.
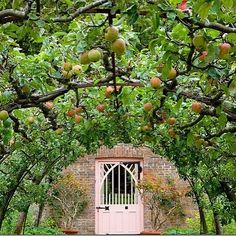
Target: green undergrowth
[[42, 231], [192, 227]]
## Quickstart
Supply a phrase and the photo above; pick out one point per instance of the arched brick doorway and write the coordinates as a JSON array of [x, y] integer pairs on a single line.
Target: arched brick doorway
[[84, 168]]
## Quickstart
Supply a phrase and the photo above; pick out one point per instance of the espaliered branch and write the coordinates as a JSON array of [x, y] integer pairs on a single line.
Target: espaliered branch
[[76, 75]]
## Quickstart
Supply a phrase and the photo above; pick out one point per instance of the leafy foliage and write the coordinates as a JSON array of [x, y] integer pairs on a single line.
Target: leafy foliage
[[188, 45], [68, 199], [163, 198], [41, 231]]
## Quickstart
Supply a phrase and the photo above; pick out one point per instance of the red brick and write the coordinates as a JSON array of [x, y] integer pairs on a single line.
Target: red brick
[[84, 167]]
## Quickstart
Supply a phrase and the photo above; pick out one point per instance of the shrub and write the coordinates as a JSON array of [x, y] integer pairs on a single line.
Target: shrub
[[68, 198], [41, 231], [163, 198]]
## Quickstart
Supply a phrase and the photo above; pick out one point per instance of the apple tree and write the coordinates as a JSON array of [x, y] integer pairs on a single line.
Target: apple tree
[[79, 74]]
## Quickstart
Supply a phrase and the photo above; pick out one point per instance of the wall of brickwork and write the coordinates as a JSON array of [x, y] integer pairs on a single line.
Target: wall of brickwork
[[84, 168], [160, 167]]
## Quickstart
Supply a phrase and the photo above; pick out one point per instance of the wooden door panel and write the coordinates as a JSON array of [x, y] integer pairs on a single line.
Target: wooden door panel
[[119, 206]]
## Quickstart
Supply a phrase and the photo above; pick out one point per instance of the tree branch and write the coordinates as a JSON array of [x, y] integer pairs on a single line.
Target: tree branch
[[216, 26], [16, 127], [81, 10], [34, 101], [211, 25], [218, 134], [192, 123], [8, 15]]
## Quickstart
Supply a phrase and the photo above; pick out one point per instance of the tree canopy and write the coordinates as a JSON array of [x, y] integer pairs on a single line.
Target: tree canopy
[[79, 74]]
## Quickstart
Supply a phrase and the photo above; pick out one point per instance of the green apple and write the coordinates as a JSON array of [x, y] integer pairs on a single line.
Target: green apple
[[4, 115], [77, 69], [59, 131], [111, 33], [94, 55], [118, 47], [67, 66], [31, 120], [84, 59]]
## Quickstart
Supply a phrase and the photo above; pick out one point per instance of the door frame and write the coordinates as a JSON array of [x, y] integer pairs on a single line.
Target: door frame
[[97, 161]]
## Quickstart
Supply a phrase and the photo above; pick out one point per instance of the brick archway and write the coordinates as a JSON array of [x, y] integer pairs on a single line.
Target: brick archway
[[123, 151], [84, 167]]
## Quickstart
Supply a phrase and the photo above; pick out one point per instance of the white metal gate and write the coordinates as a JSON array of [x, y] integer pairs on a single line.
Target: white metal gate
[[118, 204]]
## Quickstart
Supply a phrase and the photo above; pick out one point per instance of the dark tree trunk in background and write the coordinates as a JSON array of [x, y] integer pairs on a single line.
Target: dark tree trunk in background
[[21, 220], [203, 224], [2, 215], [12, 189], [4, 205], [218, 226], [39, 215], [216, 216], [231, 195]]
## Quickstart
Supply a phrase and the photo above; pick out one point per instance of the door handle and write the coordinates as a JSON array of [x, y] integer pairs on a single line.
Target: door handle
[[126, 207], [106, 208]]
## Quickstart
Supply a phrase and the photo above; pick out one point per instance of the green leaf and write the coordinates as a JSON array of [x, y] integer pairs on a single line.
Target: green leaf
[[215, 73], [222, 120], [132, 13], [179, 32], [7, 134], [190, 139], [228, 3], [155, 20], [152, 45], [231, 37], [166, 69], [68, 2], [16, 4], [204, 9], [40, 23], [33, 16], [216, 6], [232, 147], [178, 105], [174, 2], [212, 33], [213, 52], [133, 18], [7, 123], [171, 15], [232, 88]]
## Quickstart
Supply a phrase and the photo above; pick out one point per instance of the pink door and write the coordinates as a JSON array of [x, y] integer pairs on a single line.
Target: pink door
[[119, 209]]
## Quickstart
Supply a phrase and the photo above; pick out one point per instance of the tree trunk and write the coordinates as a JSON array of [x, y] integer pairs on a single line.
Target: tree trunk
[[19, 178], [21, 220], [4, 205], [40, 214], [9, 195], [2, 215], [203, 224], [231, 195], [216, 216], [218, 226]]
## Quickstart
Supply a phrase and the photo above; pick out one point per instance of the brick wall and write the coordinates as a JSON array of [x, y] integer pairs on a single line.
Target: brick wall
[[84, 168]]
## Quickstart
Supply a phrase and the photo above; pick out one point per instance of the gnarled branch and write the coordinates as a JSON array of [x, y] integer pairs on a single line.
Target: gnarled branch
[[81, 10], [192, 123], [224, 131], [216, 26], [8, 15]]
